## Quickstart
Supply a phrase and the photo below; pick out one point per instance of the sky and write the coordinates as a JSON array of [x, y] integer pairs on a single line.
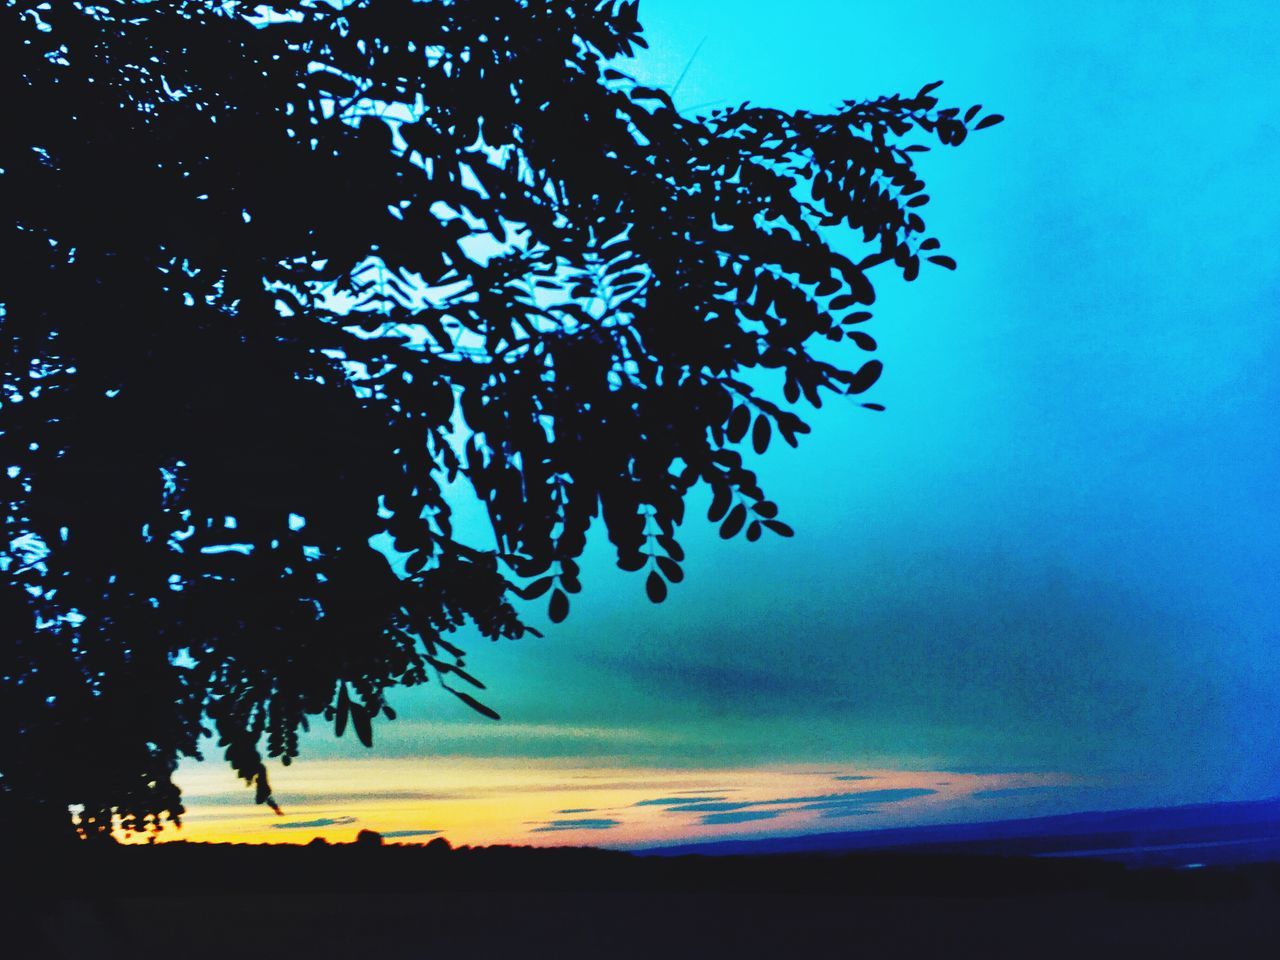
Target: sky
[[1042, 581]]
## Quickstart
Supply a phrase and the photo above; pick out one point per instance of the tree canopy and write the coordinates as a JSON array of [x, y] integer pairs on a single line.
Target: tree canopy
[[284, 280]]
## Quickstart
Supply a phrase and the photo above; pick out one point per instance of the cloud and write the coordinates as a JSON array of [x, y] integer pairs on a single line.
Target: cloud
[[672, 801], [855, 778], [713, 806], [861, 804], [363, 796], [552, 826], [238, 798], [829, 806], [413, 738], [741, 816], [727, 790], [400, 834], [862, 799], [727, 683], [312, 824], [304, 798], [595, 784], [578, 810]]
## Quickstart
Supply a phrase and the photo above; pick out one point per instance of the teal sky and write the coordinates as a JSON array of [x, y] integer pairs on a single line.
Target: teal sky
[[1057, 550]]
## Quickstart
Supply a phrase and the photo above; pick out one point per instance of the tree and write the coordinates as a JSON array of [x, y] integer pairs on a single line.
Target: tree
[[281, 276]]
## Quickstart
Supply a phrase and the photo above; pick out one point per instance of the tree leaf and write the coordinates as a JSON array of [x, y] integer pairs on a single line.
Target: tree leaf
[[760, 434], [343, 711], [475, 704], [457, 671], [632, 561], [733, 523], [866, 377], [558, 608], [655, 587], [537, 588], [721, 499], [361, 724], [670, 569]]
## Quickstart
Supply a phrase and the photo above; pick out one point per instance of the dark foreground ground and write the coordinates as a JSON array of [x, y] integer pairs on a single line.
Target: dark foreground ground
[[195, 901]]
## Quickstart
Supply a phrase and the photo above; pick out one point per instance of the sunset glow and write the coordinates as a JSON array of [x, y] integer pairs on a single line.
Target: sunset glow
[[568, 802]]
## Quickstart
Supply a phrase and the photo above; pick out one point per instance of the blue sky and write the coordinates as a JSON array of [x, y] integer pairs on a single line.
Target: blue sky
[[1056, 551]]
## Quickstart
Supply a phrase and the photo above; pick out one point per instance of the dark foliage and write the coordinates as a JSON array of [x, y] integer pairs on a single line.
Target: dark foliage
[[278, 278]]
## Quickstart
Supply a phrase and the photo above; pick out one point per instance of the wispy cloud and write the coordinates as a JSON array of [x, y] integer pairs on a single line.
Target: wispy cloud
[[827, 806], [593, 784], [714, 806], [552, 826], [863, 798], [401, 834], [373, 794], [410, 738], [306, 798], [313, 824], [673, 801]]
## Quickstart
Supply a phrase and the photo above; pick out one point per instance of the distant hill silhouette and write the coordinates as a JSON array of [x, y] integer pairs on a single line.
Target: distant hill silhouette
[[1203, 834]]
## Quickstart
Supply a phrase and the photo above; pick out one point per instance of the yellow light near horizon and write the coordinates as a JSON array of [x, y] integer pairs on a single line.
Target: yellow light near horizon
[[568, 802]]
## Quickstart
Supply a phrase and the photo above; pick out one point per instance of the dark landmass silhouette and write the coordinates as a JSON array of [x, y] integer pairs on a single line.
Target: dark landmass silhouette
[[1186, 836], [940, 893]]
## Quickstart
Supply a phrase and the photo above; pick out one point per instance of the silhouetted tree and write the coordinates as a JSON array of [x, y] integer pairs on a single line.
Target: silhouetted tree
[[280, 277]]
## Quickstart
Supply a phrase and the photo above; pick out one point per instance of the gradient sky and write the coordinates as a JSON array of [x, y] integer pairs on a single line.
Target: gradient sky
[[1054, 557]]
